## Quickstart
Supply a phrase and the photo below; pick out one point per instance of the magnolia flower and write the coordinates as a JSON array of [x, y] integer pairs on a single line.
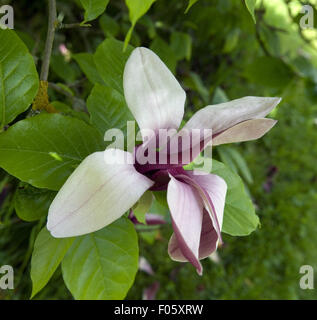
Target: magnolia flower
[[102, 188]]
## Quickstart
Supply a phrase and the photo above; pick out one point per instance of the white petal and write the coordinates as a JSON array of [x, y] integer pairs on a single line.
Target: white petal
[[245, 131], [153, 95], [225, 115], [96, 194]]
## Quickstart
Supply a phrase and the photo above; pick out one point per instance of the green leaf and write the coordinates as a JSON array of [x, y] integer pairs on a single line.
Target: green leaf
[[110, 61], [108, 109], [239, 215], [226, 158], [64, 69], [196, 83], [93, 8], [159, 204], [47, 255], [269, 72], [164, 51], [251, 6], [190, 4], [18, 77], [137, 8], [102, 265], [67, 110], [109, 26], [88, 66], [143, 206], [181, 44], [241, 164], [45, 149], [31, 203], [219, 96], [232, 41]]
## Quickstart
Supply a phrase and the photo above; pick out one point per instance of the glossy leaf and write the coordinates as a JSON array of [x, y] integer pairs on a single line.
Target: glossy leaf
[[47, 255], [102, 265], [18, 77], [45, 149]]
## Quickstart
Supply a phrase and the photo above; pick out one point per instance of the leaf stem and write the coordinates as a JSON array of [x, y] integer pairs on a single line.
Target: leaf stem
[[49, 39]]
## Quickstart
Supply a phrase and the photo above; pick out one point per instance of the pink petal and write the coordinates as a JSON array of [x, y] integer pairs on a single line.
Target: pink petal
[[153, 219], [207, 245], [145, 266], [150, 292], [186, 210], [212, 189], [209, 238]]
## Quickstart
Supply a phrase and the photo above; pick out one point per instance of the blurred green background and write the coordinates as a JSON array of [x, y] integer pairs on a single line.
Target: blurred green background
[[217, 53]]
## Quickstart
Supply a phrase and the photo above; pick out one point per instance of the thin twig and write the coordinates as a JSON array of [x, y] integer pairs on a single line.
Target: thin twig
[[73, 25], [49, 39]]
